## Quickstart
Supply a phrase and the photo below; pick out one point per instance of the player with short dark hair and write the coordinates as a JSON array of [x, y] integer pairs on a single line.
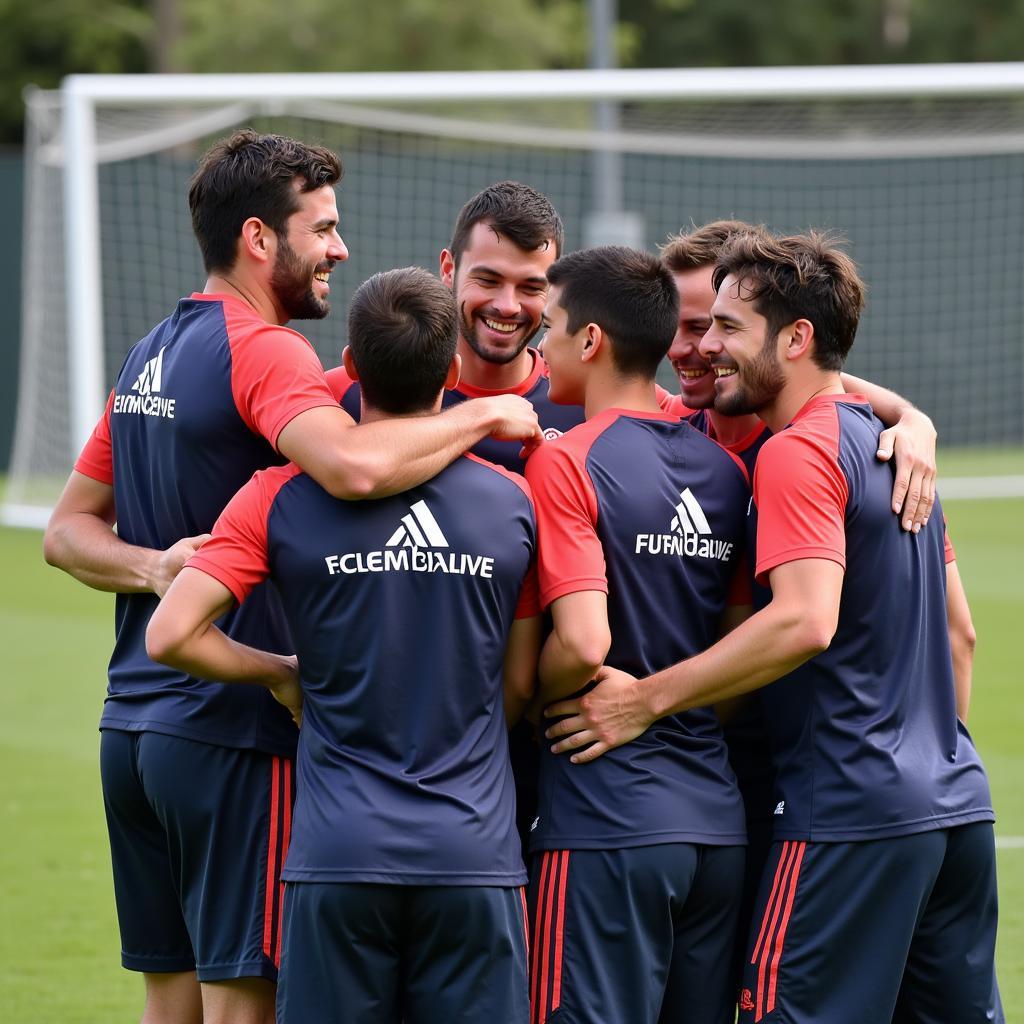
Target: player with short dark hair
[[196, 777], [879, 898], [251, 175], [638, 858], [404, 899], [504, 240], [691, 257]]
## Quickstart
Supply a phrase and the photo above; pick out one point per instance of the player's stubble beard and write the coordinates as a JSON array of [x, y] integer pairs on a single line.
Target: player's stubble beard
[[757, 384], [292, 281], [500, 357]]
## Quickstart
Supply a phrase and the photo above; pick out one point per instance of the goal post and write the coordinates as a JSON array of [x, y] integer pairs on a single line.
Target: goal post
[[920, 166]]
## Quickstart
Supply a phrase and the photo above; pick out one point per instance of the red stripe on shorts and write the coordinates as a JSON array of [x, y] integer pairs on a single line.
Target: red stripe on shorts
[[780, 936], [556, 991], [771, 902], [774, 913], [286, 838], [543, 1003], [538, 942], [526, 921], [268, 899]]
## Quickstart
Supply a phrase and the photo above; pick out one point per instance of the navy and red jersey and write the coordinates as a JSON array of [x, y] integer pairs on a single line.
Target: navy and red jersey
[[555, 419], [866, 738], [196, 410], [746, 449], [749, 749], [400, 609], [645, 508]]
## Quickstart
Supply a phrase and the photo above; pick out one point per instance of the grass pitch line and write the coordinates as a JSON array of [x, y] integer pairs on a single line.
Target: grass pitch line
[[1010, 842], [965, 488]]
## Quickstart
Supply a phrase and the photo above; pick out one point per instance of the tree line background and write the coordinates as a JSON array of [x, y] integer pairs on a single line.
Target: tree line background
[[42, 41]]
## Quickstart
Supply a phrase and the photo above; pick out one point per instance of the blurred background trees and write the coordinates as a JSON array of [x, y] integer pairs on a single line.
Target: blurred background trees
[[42, 41]]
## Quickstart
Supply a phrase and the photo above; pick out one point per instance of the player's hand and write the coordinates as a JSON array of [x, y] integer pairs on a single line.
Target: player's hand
[[286, 688], [612, 713], [531, 446], [912, 441], [513, 419], [172, 561]]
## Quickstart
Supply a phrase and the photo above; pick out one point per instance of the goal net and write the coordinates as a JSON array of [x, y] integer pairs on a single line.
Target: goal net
[[922, 173]]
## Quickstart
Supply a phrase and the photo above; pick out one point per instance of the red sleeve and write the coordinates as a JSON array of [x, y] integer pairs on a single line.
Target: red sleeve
[[801, 496], [671, 403], [339, 382], [97, 457], [236, 554], [529, 596], [275, 376], [947, 543], [571, 557]]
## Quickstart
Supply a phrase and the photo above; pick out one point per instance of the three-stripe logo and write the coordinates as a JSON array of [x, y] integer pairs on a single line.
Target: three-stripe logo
[[419, 529], [689, 518], [152, 375]]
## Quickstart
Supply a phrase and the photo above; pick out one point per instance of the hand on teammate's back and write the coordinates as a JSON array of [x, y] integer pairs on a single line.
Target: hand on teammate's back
[[515, 419], [912, 441], [173, 560], [288, 691]]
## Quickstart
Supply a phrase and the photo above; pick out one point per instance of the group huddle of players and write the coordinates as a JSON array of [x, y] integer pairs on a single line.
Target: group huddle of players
[[676, 654]]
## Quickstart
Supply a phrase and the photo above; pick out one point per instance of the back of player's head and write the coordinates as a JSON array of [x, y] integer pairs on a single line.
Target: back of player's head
[[629, 294], [799, 277], [520, 213], [402, 331], [691, 250], [252, 175]]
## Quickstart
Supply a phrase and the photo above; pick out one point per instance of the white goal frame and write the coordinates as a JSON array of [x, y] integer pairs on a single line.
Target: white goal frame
[[82, 96], [83, 93]]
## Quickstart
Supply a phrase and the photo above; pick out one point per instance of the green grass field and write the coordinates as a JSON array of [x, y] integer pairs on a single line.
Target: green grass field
[[59, 959]]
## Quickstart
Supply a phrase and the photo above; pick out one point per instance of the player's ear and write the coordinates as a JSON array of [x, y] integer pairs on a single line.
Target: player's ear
[[349, 363], [799, 339], [257, 240], [593, 341], [447, 268], [454, 373]]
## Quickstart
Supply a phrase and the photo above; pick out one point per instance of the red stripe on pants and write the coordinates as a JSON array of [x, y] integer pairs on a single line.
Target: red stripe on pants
[[268, 899]]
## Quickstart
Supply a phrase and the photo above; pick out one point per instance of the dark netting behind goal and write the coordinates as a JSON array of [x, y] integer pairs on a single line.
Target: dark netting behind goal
[[929, 194]]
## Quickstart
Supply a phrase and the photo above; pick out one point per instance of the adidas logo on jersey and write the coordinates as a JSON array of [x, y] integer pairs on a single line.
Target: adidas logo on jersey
[[411, 549], [419, 529], [690, 534], [150, 378], [148, 401]]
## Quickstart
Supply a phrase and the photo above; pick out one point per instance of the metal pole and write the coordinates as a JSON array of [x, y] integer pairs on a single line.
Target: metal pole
[[82, 248], [608, 193]]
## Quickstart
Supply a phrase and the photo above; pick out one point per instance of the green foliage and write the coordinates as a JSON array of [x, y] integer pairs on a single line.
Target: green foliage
[[347, 35], [42, 42], [737, 33]]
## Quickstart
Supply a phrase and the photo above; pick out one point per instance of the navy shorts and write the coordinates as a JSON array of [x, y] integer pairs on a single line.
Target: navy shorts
[[198, 834], [898, 930], [400, 954], [639, 936]]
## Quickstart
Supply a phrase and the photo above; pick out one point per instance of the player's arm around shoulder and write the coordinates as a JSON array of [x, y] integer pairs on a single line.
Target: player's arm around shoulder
[[962, 638], [571, 569], [80, 538], [373, 460], [182, 631], [910, 436]]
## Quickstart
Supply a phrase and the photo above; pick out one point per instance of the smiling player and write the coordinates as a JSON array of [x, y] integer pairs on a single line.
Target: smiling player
[[197, 779]]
